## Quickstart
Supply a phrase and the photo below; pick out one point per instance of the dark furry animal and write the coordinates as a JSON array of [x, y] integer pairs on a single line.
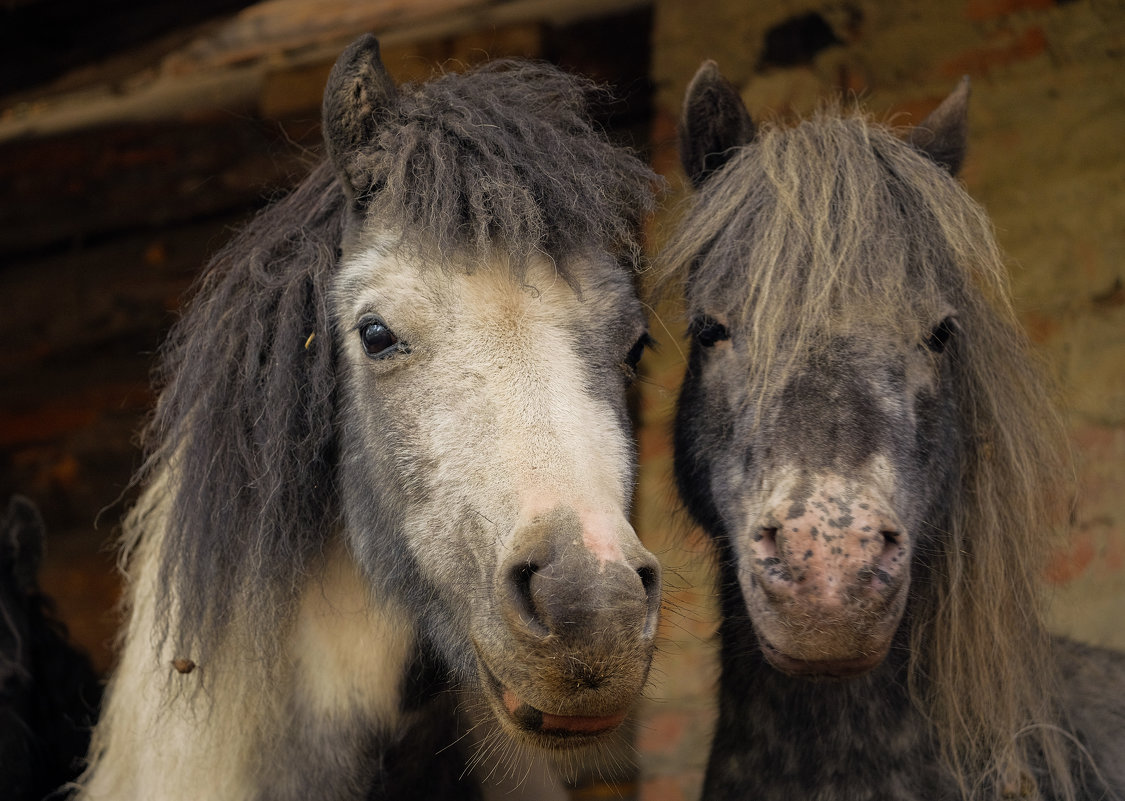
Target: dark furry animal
[[49, 692], [388, 475], [866, 437]]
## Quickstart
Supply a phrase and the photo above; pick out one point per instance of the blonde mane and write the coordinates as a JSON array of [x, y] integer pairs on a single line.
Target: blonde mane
[[837, 223]]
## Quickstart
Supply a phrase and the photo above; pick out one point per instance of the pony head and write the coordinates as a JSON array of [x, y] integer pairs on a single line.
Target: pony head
[[425, 351], [830, 356], [486, 332]]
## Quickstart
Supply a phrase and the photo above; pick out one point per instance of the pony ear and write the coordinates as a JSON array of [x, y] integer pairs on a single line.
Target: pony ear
[[943, 135], [715, 122], [357, 97], [22, 542]]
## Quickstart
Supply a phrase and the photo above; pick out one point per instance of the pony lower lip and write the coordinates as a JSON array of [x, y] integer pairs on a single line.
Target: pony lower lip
[[819, 669], [529, 717]]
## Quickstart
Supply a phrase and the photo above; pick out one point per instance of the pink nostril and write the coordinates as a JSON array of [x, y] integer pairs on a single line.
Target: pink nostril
[[766, 542], [891, 561]]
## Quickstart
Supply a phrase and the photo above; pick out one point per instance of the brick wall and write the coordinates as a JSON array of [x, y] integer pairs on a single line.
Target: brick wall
[[1046, 158]]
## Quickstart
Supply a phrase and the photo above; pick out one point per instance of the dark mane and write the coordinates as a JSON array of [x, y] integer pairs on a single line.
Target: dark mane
[[242, 437], [505, 154], [242, 446]]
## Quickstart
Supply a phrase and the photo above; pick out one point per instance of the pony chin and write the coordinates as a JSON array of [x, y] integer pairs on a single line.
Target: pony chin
[[522, 721], [543, 709], [822, 669], [819, 644]]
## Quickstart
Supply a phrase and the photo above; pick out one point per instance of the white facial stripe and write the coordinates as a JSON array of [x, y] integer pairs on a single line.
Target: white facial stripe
[[601, 534], [499, 387], [558, 443]]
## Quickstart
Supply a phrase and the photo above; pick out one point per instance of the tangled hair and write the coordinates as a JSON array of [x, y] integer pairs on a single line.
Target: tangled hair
[[505, 154], [242, 448], [838, 224], [242, 444]]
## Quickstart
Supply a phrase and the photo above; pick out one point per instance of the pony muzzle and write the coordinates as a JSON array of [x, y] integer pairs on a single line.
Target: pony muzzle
[[566, 649], [825, 582], [555, 584]]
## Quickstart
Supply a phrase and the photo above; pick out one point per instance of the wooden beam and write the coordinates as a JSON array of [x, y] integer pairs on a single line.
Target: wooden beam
[[41, 40], [68, 187], [227, 65]]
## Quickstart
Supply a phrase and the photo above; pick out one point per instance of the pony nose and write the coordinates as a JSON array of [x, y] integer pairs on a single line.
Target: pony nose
[[557, 585], [856, 554]]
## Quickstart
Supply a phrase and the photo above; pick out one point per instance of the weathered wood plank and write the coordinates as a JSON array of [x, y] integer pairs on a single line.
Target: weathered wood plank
[[226, 64], [80, 330], [43, 39], [292, 92], [63, 188]]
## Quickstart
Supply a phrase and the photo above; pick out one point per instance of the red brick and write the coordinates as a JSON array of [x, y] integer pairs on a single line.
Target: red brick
[[1070, 563], [662, 733], [664, 788], [1113, 556], [1040, 327], [665, 156], [654, 442], [1007, 48]]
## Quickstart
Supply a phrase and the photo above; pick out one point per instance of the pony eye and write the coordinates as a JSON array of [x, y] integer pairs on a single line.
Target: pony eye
[[378, 340], [939, 338], [633, 357], [707, 331]]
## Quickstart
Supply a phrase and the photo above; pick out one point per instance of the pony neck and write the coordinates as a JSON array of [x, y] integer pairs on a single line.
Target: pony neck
[[780, 736]]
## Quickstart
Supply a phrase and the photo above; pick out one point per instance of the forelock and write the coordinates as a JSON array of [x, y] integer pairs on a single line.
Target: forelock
[[505, 155]]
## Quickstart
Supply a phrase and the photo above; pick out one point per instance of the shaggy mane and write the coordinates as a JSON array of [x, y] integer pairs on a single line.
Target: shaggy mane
[[242, 447], [837, 224], [505, 154]]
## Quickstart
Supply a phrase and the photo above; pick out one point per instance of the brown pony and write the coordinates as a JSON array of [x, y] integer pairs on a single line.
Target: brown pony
[[865, 434]]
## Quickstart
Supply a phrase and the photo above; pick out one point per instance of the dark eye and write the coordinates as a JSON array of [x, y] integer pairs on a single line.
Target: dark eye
[[939, 338], [633, 357], [707, 331], [378, 340]]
